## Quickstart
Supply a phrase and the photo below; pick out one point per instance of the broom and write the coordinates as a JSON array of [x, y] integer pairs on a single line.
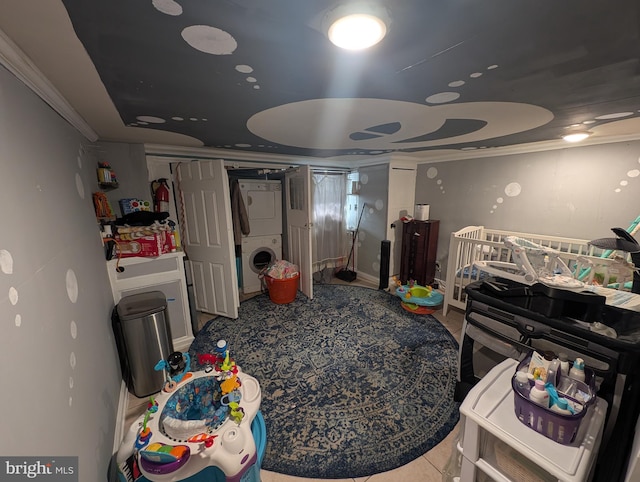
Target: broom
[[345, 274]]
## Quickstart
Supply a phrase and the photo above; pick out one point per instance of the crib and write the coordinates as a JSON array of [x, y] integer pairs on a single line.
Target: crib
[[477, 243]]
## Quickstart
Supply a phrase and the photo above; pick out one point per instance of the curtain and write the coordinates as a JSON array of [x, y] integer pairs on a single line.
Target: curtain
[[330, 237]]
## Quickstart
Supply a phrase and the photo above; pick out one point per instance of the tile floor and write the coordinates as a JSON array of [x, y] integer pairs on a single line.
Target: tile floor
[[427, 468]]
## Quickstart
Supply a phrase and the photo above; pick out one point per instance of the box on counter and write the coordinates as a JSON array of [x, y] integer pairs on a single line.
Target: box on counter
[[147, 246]]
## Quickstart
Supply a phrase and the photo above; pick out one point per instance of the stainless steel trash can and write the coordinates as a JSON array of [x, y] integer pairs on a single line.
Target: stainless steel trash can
[[146, 339]]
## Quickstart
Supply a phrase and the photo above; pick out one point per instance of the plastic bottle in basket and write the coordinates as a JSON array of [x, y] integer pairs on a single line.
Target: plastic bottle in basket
[[561, 406], [522, 382], [564, 364], [539, 394], [577, 370]]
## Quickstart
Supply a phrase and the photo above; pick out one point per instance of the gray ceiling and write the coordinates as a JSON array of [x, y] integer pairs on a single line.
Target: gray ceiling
[[260, 75]]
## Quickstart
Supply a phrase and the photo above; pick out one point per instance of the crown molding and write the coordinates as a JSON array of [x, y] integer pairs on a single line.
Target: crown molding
[[175, 153], [20, 65], [555, 145]]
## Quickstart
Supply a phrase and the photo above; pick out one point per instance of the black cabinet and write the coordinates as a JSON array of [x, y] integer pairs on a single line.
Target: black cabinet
[[418, 256]]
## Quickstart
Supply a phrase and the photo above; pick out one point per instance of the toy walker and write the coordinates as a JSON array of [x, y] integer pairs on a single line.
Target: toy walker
[[421, 300], [200, 419]]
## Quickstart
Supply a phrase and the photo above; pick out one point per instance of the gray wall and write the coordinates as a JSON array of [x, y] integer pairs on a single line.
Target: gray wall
[[374, 184], [129, 162], [579, 192], [60, 371]]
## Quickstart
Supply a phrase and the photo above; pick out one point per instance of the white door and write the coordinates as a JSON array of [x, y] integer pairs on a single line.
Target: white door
[[298, 199], [208, 233]]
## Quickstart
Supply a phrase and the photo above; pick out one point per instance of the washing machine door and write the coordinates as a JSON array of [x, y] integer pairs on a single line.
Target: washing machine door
[[260, 258]]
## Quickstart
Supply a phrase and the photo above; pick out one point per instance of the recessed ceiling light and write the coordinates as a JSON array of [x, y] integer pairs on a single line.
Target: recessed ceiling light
[[357, 31], [576, 136]]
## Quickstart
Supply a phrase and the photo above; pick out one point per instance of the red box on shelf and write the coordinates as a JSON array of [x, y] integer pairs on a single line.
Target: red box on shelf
[[146, 247]]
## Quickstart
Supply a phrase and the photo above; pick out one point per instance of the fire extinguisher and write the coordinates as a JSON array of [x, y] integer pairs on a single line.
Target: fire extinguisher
[[160, 190]]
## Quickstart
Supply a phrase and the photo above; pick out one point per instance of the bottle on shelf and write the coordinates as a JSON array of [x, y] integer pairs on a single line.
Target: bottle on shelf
[[577, 370], [539, 394]]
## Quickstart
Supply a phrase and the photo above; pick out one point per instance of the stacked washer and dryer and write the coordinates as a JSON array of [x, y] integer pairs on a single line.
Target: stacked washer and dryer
[[263, 245]]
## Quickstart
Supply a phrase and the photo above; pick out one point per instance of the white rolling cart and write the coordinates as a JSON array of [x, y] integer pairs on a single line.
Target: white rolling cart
[[164, 273], [496, 446]]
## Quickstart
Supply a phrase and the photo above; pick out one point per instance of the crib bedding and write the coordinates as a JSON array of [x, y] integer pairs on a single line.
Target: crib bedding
[[477, 243]]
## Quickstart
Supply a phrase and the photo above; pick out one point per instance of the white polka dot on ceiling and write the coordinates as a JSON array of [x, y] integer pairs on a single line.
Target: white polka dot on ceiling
[[257, 87], [70, 382], [475, 75], [633, 173], [432, 172], [364, 179], [168, 7], [439, 181], [72, 286], [243, 145], [379, 204], [177, 118], [79, 186], [245, 69], [491, 67], [18, 320], [6, 262], [79, 159], [624, 183], [617, 190], [150, 119], [209, 40], [252, 79], [70, 401], [456, 83], [500, 200], [74, 329], [72, 360], [442, 97]]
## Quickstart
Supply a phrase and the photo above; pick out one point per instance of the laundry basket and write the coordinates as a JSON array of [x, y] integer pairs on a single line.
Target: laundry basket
[[282, 291]]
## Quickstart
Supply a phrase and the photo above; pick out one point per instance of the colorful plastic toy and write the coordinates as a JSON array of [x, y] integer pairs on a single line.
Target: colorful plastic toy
[[422, 300], [195, 411]]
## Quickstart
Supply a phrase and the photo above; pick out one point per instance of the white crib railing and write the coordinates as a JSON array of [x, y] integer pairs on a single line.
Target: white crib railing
[[477, 243]]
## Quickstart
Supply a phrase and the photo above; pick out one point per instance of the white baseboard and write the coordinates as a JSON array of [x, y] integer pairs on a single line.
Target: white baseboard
[[369, 278], [123, 406], [183, 343]]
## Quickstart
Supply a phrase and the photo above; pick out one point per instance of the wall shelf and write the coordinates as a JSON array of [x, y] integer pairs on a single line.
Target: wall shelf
[[107, 186]]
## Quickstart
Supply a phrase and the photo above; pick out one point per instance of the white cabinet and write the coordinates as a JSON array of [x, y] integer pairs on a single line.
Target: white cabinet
[[164, 273], [497, 446]]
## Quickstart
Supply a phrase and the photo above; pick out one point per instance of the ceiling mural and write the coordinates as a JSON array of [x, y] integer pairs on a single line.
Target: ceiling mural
[[458, 75]]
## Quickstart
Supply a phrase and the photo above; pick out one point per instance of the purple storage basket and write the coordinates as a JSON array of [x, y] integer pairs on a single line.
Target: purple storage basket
[[556, 426]]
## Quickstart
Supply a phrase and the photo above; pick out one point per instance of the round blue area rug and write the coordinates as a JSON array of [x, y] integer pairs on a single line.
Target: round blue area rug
[[352, 384]]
